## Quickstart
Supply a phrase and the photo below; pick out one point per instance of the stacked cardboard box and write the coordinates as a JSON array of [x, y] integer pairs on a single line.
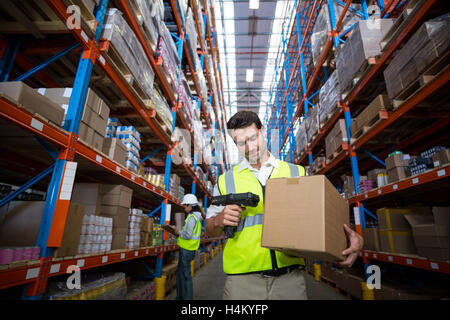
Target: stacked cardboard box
[[92, 128], [30, 99], [432, 233], [134, 229], [72, 231], [367, 116], [378, 175], [397, 166], [146, 231], [329, 96], [426, 45], [395, 231], [441, 158], [371, 239], [364, 42], [168, 52], [312, 122], [336, 137], [115, 149]]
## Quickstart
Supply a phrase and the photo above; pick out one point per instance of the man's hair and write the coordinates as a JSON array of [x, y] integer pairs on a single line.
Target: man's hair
[[244, 119]]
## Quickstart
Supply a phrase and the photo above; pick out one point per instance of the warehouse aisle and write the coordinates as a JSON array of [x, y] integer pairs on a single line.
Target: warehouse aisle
[[210, 280]]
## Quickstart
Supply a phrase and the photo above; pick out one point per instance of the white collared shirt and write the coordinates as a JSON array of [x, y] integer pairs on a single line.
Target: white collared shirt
[[262, 175]]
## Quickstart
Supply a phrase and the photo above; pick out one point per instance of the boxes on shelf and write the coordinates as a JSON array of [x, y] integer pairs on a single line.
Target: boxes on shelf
[[312, 123], [397, 166], [134, 228], [141, 290], [425, 46], [33, 101], [191, 32], [432, 233], [72, 231], [366, 185], [167, 51], [363, 43], [370, 114], [127, 46], [322, 27], [329, 96], [309, 225], [300, 139], [441, 158], [335, 138], [96, 234], [11, 254], [115, 149], [146, 231], [371, 239], [157, 234], [397, 241], [150, 17], [162, 109]]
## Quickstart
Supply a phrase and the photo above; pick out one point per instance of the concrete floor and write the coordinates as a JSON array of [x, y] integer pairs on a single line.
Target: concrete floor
[[210, 280]]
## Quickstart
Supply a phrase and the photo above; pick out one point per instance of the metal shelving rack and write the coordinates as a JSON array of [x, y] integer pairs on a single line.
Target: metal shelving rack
[[298, 83], [36, 274]]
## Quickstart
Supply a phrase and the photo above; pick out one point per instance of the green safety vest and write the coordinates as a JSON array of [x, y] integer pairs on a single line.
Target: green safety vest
[[193, 243], [243, 253]]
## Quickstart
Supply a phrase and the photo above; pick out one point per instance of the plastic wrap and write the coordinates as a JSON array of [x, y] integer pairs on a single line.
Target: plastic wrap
[[185, 96], [141, 290], [117, 31], [312, 122], [322, 26], [300, 139], [151, 17], [364, 42], [191, 32], [94, 286], [96, 234], [430, 41], [329, 96], [134, 228], [167, 50], [162, 108]]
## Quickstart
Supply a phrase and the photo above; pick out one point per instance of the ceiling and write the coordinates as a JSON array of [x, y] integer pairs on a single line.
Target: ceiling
[[251, 39]]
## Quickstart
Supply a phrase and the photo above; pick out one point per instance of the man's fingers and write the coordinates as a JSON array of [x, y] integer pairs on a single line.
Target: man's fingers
[[235, 207]]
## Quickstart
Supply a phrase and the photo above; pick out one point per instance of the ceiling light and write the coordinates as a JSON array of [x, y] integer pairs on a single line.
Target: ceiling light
[[253, 4], [249, 75]]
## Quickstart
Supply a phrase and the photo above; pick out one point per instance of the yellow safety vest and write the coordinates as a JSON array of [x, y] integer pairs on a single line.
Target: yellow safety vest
[[243, 253], [193, 243]]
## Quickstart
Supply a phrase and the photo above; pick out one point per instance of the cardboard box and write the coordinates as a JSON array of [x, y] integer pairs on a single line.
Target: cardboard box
[[441, 158], [72, 231], [305, 217], [33, 101], [432, 240], [398, 173], [97, 141], [395, 218], [20, 222], [117, 213], [397, 241], [86, 133], [118, 241], [397, 160], [116, 195], [89, 195], [115, 149], [104, 111], [336, 137], [371, 239], [441, 215], [370, 112]]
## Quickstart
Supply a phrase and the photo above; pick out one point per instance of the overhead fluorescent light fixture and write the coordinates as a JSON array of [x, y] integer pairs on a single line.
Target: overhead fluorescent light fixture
[[253, 4], [249, 75]]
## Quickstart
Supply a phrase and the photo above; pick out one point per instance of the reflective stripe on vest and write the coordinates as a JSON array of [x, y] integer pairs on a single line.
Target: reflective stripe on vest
[[243, 253], [193, 243]]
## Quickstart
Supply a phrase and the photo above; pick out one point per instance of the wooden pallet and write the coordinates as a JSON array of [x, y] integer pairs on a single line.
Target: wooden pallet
[[440, 65], [400, 23], [360, 74], [381, 115], [331, 157]]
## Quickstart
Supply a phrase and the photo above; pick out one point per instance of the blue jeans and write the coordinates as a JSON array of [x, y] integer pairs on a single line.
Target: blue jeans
[[185, 290]]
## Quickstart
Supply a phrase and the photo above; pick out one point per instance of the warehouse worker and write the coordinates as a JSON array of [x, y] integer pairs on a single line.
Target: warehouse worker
[[189, 242], [255, 272]]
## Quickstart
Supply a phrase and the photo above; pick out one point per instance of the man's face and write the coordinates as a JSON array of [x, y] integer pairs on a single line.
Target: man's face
[[250, 142]]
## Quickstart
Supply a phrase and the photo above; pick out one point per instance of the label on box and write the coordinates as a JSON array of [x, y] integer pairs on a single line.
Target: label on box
[[102, 60], [395, 187], [415, 180], [122, 256], [84, 36], [136, 253], [42, 91], [408, 261], [117, 169], [98, 158], [434, 265]]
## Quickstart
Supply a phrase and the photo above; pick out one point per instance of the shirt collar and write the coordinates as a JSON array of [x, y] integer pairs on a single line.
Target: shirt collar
[[271, 161]]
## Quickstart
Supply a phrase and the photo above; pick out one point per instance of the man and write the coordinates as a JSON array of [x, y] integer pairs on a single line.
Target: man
[[189, 242], [255, 272]]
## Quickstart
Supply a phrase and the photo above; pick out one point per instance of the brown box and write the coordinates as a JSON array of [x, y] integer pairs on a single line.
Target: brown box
[[86, 133], [336, 137], [72, 231], [441, 158], [397, 241], [398, 173], [104, 111], [89, 195], [20, 222], [441, 216], [395, 218], [397, 160], [116, 195], [117, 213], [371, 239], [97, 142], [143, 239], [32, 100], [305, 217], [373, 174], [115, 149], [369, 113], [118, 241]]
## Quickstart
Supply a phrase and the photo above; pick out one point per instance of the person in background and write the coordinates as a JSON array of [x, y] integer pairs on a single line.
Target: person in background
[[189, 242]]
